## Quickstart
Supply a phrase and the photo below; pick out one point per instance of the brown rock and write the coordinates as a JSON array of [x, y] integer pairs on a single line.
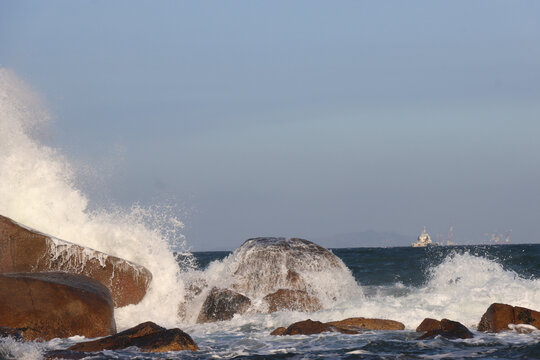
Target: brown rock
[[450, 330], [498, 316], [26, 250], [293, 300], [43, 306], [222, 304], [147, 336], [360, 323], [308, 327], [279, 331], [428, 324]]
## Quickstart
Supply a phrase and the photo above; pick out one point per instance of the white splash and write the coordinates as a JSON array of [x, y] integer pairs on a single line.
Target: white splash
[[37, 188]]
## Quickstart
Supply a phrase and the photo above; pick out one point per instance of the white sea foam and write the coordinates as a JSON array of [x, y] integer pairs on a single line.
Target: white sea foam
[[37, 188]]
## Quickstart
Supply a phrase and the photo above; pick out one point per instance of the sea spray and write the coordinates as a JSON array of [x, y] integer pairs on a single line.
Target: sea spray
[[37, 188]]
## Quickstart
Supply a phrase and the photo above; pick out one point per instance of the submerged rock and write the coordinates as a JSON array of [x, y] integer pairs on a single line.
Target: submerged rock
[[498, 317], [26, 250], [346, 326], [292, 300], [222, 304], [148, 337], [43, 306], [361, 323], [448, 329]]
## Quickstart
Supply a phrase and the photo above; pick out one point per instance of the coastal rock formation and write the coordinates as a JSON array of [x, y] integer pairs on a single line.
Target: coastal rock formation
[[222, 304], [447, 328], [498, 316], [346, 326], [10, 332], [44, 306], [147, 336], [264, 265], [26, 250], [360, 323], [293, 300]]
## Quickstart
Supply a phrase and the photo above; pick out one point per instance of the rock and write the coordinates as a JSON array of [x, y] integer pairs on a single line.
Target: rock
[[222, 304], [450, 330], [43, 306], [428, 324], [360, 323], [498, 316], [262, 266], [10, 332], [347, 326], [279, 331], [293, 300], [26, 250], [147, 336]]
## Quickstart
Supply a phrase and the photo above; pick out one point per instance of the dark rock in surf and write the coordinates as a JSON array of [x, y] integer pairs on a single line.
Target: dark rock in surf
[[361, 323], [148, 337], [428, 324], [448, 329], [346, 326], [222, 304], [498, 316], [26, 250], [292, 300], [10, 332], [43, 306]]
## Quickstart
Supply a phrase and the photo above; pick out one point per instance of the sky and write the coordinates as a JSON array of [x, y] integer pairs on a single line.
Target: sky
[[306, 118]]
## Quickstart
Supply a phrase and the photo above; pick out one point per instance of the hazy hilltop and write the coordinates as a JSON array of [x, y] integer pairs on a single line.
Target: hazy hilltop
[[368, 238]]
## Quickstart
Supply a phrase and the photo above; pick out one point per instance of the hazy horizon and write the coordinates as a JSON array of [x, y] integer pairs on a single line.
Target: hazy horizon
[[305, 119]]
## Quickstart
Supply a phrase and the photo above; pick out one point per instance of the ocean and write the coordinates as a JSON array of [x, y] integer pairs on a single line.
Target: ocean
[[400, 283]]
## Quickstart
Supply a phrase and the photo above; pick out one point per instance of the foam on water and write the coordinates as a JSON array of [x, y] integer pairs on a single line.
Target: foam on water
[[37, 188]]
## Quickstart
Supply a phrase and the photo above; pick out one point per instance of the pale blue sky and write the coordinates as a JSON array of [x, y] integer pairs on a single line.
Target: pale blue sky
[[307, 118]]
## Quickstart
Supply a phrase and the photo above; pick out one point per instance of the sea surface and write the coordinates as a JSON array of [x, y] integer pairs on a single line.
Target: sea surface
[[401, 283]]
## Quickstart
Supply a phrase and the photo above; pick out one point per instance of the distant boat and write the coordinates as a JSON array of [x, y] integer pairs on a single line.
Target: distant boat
[[423, 240]]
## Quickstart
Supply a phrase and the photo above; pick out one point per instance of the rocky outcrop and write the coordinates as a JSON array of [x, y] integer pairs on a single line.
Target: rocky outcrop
[[360, 323], [148, 337], [26, 250], [292, 300], [447, 328], [347, 326], [498, 316], [428, 324], [262, 266], [43, 306], [222, 304]]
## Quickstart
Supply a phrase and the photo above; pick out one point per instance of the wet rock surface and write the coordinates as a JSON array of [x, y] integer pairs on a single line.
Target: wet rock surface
[[346, 326], [428, 324], [448, 329], [26, 250], [148, 337], [222, 304], [42, 306], [498, 317], [10, 332], [292, 300]]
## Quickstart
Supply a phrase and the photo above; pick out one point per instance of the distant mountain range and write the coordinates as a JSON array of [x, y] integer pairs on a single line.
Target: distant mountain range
[[368, 238]]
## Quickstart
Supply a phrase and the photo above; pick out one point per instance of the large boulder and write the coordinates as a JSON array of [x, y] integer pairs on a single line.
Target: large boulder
[[498, 316], [292, 300], [361, 323], [222, 304], [43, 306], [262, 266], [148, 337], [448, 329], [26, 250], [428, 324]]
